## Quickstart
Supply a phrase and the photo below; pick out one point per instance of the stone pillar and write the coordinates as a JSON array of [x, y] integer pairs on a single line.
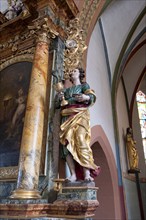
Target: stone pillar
[[30, 152]]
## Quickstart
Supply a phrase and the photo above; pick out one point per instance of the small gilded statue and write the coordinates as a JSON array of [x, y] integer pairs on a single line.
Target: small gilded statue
[[75, 128], [132, 151]]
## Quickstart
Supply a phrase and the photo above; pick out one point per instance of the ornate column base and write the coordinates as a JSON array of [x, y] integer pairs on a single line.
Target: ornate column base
[[25, 194]]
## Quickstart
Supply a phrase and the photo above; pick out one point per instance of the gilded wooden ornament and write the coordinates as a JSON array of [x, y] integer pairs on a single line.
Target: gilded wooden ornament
[[8, 173], [75, 46]]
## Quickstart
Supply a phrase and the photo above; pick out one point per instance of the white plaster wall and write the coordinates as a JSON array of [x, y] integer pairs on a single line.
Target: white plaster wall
[[132, 72], [123, 123], [97, 77], [116, 31], [117, 21], [139, 28]]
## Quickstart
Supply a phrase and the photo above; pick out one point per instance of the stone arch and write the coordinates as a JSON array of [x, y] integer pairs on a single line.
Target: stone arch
[[101, 145]]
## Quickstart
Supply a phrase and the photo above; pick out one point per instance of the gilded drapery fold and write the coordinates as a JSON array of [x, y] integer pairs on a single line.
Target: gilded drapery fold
[[75, 134]]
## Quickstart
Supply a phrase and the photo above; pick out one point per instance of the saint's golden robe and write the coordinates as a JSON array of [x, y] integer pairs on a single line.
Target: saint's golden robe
[[75, 131]]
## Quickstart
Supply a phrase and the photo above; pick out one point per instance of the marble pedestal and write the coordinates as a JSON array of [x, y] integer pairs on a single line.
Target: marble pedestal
[[20, 208], [75, 200]]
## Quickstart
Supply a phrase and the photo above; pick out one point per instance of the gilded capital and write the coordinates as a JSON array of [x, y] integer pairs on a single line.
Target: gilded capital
[[43, 37], [43, 30]]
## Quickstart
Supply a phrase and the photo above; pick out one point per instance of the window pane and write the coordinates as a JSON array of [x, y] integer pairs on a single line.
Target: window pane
[[141, 105]]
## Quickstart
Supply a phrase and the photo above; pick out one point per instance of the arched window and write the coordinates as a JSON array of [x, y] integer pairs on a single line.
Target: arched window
[[141, 104]]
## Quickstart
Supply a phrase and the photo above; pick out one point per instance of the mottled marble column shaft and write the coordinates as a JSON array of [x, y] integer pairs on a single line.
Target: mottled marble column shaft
[[30, 152]]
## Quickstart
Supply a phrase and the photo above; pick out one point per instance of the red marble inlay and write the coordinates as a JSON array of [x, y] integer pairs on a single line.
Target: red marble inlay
[[58, 208]]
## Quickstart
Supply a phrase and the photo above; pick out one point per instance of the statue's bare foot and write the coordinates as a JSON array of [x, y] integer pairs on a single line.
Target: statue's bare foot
[[89, 178], [72, 178]]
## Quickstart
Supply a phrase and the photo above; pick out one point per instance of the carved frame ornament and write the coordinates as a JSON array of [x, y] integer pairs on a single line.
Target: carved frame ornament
[[8, 173]]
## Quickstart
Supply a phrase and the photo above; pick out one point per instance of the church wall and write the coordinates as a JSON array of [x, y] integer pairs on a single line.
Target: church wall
[[97, 77], [139, 28], [133, 70], [129, 183], [115, 33], [143, 189], [123, 123], [131, 200], [101, 113]]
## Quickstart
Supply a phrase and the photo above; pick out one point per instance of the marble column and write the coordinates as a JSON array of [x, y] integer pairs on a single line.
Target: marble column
[[30, 152]]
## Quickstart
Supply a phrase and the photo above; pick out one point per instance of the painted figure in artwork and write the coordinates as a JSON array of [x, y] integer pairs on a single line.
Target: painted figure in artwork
[[20, 107], [17, 116], [131, 150], [75, 128]]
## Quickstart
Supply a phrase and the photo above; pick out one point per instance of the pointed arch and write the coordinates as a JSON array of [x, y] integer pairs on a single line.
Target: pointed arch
[[98, 135]]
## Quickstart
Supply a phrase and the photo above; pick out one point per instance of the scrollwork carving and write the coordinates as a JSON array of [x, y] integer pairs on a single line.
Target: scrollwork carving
[[17, 40], [75, 46]]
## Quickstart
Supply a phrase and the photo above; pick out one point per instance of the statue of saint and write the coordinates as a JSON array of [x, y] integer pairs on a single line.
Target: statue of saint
[[132, 151], [75, 128]]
